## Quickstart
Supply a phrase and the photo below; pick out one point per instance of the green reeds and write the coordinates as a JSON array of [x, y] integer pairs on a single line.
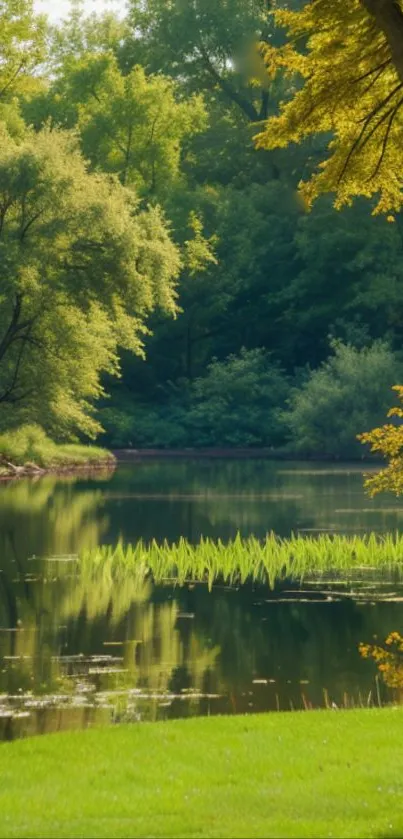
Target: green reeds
[[240, 560]]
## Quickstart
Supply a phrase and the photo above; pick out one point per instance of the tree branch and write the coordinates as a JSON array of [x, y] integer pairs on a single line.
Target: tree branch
[[264, 105], [361, 139], [247, 107], [4, 343], [8, 394], [12, 78], [386, 138]]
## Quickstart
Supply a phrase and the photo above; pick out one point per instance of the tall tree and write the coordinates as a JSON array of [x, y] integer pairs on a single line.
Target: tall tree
[[211, 46], [81, 266]]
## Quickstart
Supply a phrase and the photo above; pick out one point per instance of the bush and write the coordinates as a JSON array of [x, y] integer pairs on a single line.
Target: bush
[[133, 425], [348, 394], [239, 402]]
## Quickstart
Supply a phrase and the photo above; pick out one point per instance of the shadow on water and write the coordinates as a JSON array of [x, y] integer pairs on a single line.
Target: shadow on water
[[83, 648]]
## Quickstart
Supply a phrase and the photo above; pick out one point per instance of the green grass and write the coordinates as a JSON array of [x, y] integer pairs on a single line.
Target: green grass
[[29, 446], [313, 774], [267, 561]]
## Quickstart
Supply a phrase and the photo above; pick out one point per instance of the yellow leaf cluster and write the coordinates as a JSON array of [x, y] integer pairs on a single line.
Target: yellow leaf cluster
[[345, 87], [388, 441], [389, 661]]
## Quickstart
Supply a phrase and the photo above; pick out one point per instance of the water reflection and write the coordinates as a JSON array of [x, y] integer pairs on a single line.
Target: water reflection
[[169, 499], [86, 649], [79, 648]]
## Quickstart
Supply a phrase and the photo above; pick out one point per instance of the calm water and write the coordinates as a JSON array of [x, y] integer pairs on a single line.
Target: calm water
[[77, 651]]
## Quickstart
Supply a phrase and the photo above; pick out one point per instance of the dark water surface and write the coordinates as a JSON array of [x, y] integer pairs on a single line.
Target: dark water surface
[[75, 652]]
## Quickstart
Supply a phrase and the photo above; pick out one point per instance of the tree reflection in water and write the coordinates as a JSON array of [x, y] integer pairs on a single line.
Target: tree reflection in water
[[115, 646], [81, 645]]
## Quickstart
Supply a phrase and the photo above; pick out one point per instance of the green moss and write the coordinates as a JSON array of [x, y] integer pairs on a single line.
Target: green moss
[[313, 774]]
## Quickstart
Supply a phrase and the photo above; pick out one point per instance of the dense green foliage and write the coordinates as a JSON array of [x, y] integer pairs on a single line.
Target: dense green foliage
[[80, 267], [268, 775], [237, 403], [349, 391], [136, 205]]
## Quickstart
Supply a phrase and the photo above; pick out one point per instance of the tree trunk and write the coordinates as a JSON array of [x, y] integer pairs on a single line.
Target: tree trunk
[[388, 16]]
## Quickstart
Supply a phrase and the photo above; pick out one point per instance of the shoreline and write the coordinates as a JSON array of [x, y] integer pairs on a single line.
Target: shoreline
[[10, 471], [16, 472]]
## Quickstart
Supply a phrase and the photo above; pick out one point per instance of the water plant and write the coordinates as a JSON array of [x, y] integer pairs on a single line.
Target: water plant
[[237, 561]]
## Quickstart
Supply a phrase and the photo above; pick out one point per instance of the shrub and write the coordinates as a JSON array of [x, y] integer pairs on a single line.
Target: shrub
[[349, 393], [239, 402]]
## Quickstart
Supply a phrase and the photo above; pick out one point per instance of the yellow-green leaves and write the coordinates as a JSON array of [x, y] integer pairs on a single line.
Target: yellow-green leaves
[[198, 250], [387, 441], [345, 86], [82, 266], [131, 125], [22, 47]]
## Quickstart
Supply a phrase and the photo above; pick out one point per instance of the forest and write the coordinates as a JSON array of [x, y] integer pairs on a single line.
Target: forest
[[165, 282]]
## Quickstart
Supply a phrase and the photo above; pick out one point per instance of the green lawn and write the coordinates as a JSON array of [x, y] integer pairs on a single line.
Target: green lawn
[[311, 774]]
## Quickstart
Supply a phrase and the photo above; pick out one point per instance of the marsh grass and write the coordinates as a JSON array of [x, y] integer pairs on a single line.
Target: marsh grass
[[238, 561]]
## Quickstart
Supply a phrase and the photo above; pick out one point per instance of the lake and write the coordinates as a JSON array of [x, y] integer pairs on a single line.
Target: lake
[[76, 652]]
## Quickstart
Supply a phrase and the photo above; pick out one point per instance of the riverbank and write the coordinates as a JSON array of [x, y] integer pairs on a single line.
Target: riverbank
[[307, 774], [28, 451]]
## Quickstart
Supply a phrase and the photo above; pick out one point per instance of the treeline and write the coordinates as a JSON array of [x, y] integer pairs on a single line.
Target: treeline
[[162, 283]]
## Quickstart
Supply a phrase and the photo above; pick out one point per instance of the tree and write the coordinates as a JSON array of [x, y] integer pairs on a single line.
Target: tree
[[345, 63], [82, 266], [237, 402], [80, 34], [211, 46], [349, 280], [131, 125]]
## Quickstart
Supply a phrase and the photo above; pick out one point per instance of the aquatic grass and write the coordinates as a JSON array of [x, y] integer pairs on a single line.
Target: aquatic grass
[[240, 560]]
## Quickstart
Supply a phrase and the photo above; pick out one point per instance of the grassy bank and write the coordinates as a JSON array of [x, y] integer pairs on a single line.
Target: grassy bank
[[240, 560], [314, 774], [28, 450]]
